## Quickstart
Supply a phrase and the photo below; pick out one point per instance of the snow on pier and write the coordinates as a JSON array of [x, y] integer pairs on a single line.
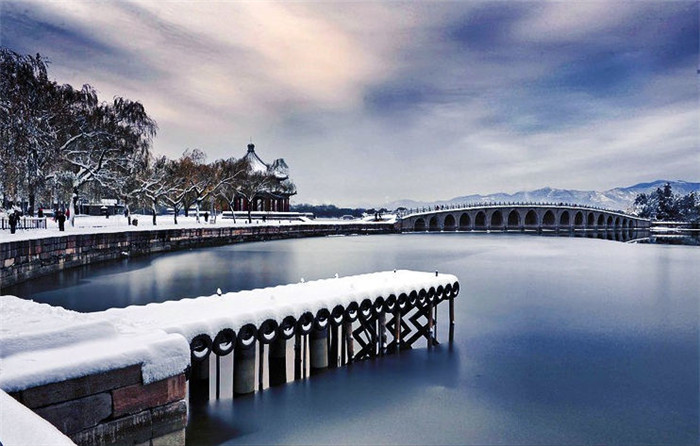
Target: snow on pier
[[40, 343], [211, 314]]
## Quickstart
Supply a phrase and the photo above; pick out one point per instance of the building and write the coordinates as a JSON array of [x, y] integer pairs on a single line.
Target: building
[[273, 198]]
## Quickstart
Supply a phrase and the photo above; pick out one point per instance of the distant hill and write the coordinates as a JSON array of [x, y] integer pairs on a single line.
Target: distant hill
[[618, 198]]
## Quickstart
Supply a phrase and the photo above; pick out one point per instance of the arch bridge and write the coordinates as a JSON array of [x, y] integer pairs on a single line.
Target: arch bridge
[[520, 217]]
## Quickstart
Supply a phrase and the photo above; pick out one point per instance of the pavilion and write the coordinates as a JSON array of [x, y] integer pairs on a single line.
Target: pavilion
[[274, 198]]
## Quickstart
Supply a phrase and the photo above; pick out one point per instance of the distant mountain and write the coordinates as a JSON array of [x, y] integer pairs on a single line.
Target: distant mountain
[[618, 198]]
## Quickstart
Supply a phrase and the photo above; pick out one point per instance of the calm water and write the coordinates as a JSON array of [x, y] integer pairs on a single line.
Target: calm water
[[558, 341]]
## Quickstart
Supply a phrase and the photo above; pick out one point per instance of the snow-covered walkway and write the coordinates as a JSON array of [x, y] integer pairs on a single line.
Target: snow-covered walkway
[[41, 344], [118, 223]]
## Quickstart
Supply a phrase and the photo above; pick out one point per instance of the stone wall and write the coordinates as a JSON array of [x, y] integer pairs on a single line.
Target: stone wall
[[26, 259], [113, 407]]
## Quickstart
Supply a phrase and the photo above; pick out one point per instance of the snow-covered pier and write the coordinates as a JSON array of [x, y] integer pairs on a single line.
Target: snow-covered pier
[[333, 322], [119, 376]]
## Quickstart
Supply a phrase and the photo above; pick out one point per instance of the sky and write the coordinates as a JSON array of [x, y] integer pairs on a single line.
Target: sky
[[370, 102]]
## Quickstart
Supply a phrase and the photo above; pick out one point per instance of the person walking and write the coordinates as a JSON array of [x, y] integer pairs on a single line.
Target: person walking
[[61, 218], [12, 218]]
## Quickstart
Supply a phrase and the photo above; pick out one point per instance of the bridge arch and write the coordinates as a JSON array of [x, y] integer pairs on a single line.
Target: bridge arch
[[609, 222], [601, 220], [531, 218], [433, 224], [578, 219], [449, 223], [617, 222], [513, 220], [464, 222], [419, 225], [496, 220], [548, 219], [590, 220], [480, 220], [564, 219]]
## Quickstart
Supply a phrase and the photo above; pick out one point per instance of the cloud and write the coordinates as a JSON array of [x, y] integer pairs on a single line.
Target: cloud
[[368, 100]]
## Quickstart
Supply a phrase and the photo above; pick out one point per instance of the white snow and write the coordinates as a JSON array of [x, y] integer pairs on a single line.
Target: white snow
[[119, 223], [19, 426], [43, 344], [211, 314]]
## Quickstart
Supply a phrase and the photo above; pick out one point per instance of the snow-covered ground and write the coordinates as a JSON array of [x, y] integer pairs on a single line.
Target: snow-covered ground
[[19, 426], [118, 223]]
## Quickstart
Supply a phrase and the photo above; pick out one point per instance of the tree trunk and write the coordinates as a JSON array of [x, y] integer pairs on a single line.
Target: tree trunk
[[154, 213], [73, 201], [230, 207], [175, 213], [32, 197], [250, 219], [196, 209]]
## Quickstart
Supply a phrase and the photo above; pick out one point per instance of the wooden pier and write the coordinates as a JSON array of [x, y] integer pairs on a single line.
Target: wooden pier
[[296, 331], [119, 376]]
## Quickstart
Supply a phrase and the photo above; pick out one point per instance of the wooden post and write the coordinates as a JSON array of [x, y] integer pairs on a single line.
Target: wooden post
[[244, 370], [435, 323], [218, 374], [349, 341], [452, 319], [261, 366], [319, 351], [199, 380], [430, 325], [382, 332], [342, 346], [297, 356], [304, 356], [277, 361], [397, 328], [333, 347]]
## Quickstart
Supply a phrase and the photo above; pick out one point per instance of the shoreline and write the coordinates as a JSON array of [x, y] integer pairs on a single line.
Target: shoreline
[[28, 258]]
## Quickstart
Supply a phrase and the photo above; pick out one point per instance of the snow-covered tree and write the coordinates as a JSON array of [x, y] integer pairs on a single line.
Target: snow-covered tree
[[231, 173], [104, 143], [255, 184]]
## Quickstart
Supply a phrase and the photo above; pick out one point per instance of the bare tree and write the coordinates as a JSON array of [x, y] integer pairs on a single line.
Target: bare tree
[[255, 184], [231, 173]]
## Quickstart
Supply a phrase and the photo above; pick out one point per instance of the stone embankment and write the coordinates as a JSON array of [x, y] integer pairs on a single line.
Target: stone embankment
[[113, 407], [23, 260]]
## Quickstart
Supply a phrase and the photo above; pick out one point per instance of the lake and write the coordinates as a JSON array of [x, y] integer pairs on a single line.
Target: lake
[[558, 340]]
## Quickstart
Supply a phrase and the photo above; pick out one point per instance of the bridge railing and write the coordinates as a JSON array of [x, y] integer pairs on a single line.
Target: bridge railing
[[473, 205]]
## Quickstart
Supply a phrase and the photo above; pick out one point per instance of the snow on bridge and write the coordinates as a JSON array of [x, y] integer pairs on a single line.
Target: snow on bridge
[[520, 217]]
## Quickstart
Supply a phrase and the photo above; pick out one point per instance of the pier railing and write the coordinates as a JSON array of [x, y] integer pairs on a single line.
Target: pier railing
[[331, 323]]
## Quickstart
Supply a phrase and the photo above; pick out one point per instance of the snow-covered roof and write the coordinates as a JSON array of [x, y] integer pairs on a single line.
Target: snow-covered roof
[[280, 169], [256, 164]]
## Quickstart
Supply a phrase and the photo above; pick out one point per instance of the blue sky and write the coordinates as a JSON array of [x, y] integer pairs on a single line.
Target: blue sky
[[371, 102]]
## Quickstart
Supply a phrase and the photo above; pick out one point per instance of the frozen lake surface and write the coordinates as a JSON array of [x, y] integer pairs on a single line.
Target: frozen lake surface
[[558, 340]]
